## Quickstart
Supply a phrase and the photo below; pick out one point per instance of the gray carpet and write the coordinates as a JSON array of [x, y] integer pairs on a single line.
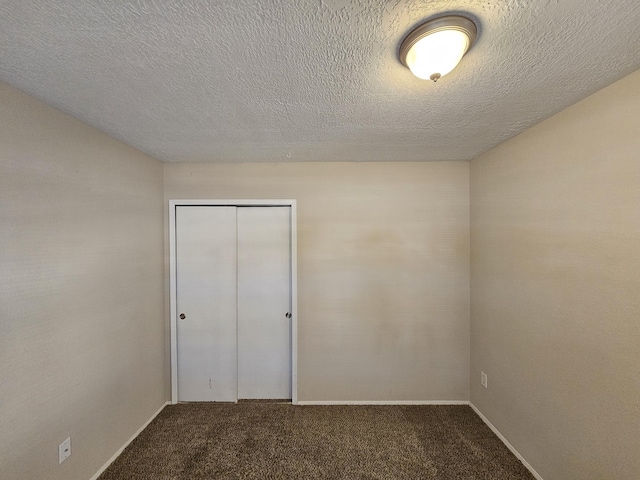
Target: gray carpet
[[279, 441]]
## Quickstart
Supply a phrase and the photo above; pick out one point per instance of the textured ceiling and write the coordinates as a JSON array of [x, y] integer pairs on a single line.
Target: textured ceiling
[[309, 80]]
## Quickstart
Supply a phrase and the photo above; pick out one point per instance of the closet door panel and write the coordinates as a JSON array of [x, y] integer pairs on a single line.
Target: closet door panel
[[206, 297], [264, 299]]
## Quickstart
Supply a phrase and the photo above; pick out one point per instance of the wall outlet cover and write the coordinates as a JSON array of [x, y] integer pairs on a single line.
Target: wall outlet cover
[[64, 450]]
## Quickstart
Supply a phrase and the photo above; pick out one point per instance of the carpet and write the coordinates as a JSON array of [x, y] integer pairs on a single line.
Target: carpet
[[283, 441]]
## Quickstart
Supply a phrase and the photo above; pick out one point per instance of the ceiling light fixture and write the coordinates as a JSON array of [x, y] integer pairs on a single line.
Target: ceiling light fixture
[[435, 48]]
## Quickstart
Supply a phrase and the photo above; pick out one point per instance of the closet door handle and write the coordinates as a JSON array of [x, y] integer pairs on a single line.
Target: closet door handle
[[182, 316], [288, 314]]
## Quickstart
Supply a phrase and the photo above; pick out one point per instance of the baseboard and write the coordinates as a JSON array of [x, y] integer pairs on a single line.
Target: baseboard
[[506, 442], [121, 449], [383, 402]]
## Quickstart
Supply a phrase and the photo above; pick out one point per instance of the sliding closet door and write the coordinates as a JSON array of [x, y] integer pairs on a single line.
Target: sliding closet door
[[264, 299], [206, 303]]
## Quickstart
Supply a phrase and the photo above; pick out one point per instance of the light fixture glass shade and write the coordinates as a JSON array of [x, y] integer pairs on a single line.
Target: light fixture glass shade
[[435, 48], [438, 53]]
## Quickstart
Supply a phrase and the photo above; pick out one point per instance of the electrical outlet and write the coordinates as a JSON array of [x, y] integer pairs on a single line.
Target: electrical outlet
[[483, 379], [64, 450]]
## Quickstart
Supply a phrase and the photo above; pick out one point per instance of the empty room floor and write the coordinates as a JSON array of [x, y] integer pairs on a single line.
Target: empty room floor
[[277, 440]]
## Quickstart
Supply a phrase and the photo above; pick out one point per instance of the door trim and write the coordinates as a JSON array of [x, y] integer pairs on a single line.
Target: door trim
[[294, 281]]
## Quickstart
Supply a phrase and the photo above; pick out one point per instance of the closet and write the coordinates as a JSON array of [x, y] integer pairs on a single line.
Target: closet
[[232, 302]]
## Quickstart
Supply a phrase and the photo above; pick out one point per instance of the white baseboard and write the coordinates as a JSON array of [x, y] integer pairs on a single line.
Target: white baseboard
[[383, 402], [121, 449], [506, 442]]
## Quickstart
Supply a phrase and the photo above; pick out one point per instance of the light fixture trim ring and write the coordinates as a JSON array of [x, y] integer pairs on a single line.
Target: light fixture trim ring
[[448, 22]]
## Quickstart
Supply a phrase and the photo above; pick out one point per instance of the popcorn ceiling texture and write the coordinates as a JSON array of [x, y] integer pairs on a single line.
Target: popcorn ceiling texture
[[249, 81]]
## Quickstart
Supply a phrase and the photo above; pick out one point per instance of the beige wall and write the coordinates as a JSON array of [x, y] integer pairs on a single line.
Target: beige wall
[[81, 293], [555, 262], [383, 265]]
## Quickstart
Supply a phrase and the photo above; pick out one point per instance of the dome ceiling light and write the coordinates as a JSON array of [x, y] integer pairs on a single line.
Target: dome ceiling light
[[434, 48]]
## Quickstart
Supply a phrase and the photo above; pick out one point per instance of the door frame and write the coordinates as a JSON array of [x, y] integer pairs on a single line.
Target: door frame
[[294, 280]]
